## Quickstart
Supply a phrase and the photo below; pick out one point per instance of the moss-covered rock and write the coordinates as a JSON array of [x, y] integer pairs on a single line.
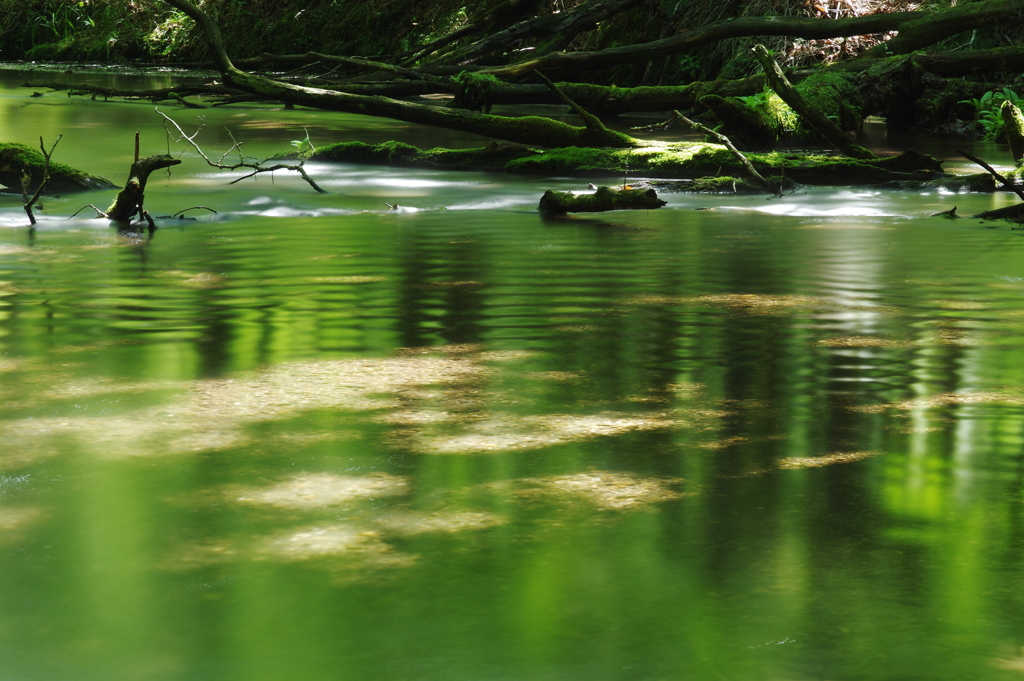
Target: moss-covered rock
[[19, 159]]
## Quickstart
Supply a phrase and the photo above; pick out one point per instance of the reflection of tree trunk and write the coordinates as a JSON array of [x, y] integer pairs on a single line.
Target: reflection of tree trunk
[[525, 130], [917, 30]]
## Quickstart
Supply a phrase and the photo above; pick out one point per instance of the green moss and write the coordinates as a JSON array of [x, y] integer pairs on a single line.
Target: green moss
[[386, 153], [17, 159], [570, 161], [473, 91], [835, 93], [687, 160]]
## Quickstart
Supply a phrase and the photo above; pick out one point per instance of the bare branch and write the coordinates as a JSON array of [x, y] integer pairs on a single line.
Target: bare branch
[[255, 166]]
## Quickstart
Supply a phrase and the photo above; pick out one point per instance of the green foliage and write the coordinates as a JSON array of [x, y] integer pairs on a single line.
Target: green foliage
[[305, 145], [987, 114]]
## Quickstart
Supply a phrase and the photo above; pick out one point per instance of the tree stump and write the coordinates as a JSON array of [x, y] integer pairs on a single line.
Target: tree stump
[[129, 200]]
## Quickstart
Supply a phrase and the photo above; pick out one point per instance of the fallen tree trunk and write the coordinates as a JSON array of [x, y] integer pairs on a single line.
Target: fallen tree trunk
[[925, 27], [526, 130], [810, 115]]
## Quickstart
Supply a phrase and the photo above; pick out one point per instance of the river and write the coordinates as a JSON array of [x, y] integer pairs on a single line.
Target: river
[[308, 437]]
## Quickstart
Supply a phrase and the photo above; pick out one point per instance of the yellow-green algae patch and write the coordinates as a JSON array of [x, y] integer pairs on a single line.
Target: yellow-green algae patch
[[408, 523], [604, 489], [318, 490], [865, 342], [182, 422], [505, 432], [824, 460], [334, 540]]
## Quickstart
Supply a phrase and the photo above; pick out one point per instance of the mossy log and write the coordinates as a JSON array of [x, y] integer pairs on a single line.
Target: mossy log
[[810, 115], [129, 200], [604, 199], [1013, 123], [525, 130], [16, 160]]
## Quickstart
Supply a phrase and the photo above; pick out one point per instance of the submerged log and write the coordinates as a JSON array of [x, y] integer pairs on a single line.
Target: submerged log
[[605, 198]]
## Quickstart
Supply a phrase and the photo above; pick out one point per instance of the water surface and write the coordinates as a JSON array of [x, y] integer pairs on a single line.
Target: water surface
[[308, 437]]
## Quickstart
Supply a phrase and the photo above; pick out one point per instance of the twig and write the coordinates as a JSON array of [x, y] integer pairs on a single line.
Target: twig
[[257, 167], [1006, 183], [736, 152], [42, 184], [99, 213], [193, 208]]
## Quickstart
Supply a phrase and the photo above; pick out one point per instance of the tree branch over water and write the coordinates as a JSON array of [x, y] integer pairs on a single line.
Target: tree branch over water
[[256, 167]]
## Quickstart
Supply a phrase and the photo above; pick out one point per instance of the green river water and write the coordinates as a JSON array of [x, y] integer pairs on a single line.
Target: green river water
[[307, 438]]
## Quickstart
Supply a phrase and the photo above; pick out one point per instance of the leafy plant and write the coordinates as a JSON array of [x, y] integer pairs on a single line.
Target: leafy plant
[[305, 146], [987, 114]]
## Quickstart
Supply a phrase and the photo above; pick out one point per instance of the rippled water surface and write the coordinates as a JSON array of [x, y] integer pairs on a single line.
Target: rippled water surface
[[307, 437]]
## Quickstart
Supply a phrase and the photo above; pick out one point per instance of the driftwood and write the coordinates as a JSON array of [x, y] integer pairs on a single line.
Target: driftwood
[[605, 198], [811, 115]]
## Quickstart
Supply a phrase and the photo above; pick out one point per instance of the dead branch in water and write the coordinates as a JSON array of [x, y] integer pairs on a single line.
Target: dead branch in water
[[25, 179], [257, 167]]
